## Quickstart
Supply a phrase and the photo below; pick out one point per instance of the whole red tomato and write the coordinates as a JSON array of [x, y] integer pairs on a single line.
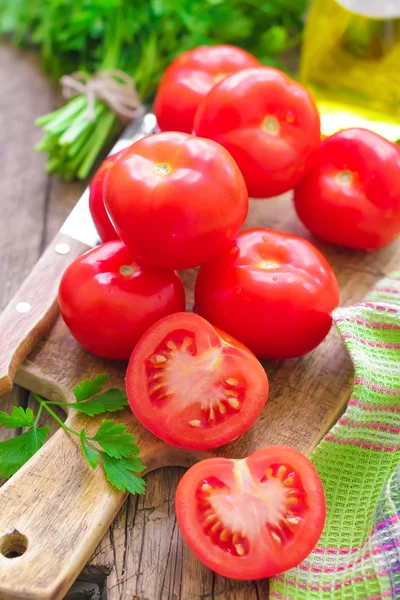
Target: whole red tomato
[[253, 517], [192, 385], [352, 196], [108, 300], [176, 200], [268, 122], [273, 291], [190, 77], [99, 214]]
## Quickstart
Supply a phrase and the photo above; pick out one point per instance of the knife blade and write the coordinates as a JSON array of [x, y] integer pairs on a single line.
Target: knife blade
[[33, 309]]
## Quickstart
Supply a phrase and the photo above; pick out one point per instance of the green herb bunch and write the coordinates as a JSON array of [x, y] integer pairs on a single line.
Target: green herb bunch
[[140, 37], [111, 445]]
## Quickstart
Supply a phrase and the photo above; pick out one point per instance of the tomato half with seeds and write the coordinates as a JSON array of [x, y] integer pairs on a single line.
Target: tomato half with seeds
[[108, 299], [352, 196], [273, 291], [105, 228], [192, 385], [190, 77], [268, 122], [254, 517]]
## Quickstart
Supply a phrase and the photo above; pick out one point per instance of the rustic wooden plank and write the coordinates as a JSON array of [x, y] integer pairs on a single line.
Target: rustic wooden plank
[[25, 94]]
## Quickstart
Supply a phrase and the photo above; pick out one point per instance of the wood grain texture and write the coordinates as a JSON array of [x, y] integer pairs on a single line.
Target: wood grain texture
[[34, 307], [142, 556]]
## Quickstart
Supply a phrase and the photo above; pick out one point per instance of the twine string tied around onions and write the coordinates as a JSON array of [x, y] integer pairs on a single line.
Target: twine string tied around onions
[[113, 87]]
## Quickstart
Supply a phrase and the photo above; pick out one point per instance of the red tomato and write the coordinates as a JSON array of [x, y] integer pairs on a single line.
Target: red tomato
[[193, 386], [190, 77], [108, 300], [98, 211], [352, 197], [254, 517], [268, 122], [273, 291], [176, 200]]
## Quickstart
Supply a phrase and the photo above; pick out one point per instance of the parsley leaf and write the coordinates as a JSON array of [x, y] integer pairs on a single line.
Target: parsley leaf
[[118, 452], [18, 450], [120, 473], [19, 418], [114, 440], [91, 456], [90, 387], [109, 401]]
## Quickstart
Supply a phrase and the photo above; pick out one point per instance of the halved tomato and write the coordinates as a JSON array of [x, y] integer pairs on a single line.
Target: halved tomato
[[192, 385], [254, 517]]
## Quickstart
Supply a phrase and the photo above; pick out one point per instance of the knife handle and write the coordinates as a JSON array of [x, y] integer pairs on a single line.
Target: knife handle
[[34, 308]]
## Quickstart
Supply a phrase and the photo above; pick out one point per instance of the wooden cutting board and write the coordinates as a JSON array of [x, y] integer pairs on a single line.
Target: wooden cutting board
[[55, 510]]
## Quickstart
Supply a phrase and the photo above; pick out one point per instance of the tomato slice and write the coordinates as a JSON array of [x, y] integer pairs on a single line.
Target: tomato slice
[[192, 386], [254, 517]]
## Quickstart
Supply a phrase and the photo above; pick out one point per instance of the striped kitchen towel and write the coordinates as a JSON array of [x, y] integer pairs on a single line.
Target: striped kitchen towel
[[358, 555]]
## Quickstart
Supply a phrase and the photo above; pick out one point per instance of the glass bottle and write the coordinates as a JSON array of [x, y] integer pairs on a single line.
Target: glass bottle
[[351, 62]]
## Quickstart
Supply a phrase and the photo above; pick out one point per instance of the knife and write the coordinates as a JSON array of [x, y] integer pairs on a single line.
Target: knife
[[34, 308]]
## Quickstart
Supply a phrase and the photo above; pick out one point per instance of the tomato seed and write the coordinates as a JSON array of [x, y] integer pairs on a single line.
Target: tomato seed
[[293, 500], [235, 538], [281, 471], [289, 480], [233, 393], [206, 487], [292, 520], [224, 537], [215, 527], [276, 537], [233, 402], [186, 343], [210, 519], [160, 359]]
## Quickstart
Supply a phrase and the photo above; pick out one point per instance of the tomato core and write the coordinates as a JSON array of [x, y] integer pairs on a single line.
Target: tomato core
[[219, 77], [344, 177], [179, 365], [235, 515], [268, 264], [126, 270], [162, 168], [271, 125]]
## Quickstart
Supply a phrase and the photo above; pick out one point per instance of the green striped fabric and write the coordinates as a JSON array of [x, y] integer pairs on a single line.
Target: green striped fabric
[[358, 555]]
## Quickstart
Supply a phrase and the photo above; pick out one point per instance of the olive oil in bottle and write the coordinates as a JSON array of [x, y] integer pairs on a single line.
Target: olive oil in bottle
[[351, 62]]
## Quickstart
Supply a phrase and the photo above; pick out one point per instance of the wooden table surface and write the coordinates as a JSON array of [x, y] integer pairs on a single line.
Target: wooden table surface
[[142, 557]]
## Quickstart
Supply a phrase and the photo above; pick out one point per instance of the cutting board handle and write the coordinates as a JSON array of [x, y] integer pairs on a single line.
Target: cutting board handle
[[56, 509], [33, 309]]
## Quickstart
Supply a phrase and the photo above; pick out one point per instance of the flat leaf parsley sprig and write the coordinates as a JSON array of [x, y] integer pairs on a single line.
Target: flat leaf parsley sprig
[[112, 445]]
